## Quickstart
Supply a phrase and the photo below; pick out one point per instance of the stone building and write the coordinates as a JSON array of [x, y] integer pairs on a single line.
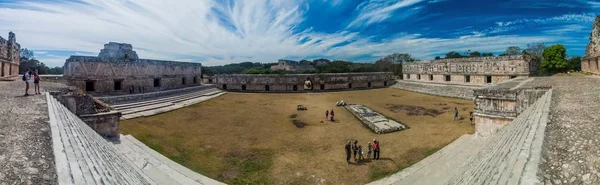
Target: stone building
[[9, 56], [473, 70], [118, 70], [591, 60], [290, 65], [303, 82]]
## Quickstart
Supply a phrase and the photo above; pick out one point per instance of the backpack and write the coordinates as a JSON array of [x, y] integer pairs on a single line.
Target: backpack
[[24, 79]]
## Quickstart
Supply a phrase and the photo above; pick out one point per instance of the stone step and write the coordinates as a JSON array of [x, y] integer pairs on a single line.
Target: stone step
[[145, 108], [170, 108], [150, 95], [165, 99]]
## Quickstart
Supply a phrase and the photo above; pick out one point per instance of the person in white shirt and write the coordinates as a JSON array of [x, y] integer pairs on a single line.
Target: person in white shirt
[[27, 78]]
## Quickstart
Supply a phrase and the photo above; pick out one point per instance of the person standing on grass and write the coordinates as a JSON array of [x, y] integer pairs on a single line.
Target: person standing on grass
[[326, 114], [36, 82], [455, 114], [376, 149], [331, 113], [348, 149], [355, 150], [471, 117], [369, 150], [360, 153], [26, 78]]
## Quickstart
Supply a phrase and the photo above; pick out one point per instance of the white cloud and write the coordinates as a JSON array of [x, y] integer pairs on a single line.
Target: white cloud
[[374, 11]]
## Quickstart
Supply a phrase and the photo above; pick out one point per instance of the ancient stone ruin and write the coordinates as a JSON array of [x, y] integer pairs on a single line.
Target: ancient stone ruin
[[472, 70], [9, 56], [303, 82], [591, 59], [375, 121], [118, 70]]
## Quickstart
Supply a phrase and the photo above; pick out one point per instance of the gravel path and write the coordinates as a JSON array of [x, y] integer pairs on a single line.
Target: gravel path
[[26, 155], [571, 150]]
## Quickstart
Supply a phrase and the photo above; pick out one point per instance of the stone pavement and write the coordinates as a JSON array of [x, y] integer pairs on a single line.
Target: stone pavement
[[25, 145], [377, 122], [571, 150]]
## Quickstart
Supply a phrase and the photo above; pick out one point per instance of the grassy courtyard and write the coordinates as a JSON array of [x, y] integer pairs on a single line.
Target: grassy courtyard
[[247, 138]]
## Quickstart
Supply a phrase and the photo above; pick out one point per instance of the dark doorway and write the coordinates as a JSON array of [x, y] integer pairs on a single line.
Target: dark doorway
[[408, 76], [488, 79], [2, 70], [350, 86], [430, 77], [210, 81], [418, 77], [183, 81], [295, 87], [322, 86], [195, 80], [89, 86], [384, 83], [157, 82], [369, 84], [117, 85], [467, 78], [267, 88], [224, 86], [447, 78], [511, 77], [243, 87]]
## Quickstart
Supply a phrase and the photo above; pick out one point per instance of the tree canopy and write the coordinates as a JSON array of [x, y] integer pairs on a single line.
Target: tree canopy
[[28, 61], [555, 58]]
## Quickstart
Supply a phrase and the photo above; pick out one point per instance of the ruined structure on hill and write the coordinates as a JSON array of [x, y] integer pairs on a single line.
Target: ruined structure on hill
[[476, 70], [290, 65], [303, 82], [9, 56], [591, 60], [117, 69]]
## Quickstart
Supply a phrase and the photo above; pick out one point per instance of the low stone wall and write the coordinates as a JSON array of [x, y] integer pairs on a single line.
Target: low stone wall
[[106, 124], [497, 107], [446, 90], [297, 82], [377, 122], [145, 96]]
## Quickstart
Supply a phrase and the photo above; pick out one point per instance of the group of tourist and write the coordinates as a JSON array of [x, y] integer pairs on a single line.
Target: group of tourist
[[357, 150], [456, 118], [36, 81], [329, 115]]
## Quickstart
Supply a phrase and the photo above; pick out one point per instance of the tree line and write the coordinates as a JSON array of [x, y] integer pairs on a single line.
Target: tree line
[[28, 61]]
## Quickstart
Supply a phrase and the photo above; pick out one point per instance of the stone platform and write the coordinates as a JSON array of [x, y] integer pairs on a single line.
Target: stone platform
[[377, 122]]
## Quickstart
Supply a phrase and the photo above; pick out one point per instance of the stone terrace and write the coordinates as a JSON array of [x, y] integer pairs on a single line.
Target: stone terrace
[[447, 90]]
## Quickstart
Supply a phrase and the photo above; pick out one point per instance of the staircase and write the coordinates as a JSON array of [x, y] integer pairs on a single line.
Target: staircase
[[510, 156], [447, 90], [164, 104], [84, 157]]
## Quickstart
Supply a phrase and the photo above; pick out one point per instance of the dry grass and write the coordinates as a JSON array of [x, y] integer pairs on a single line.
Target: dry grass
[[243, 138]]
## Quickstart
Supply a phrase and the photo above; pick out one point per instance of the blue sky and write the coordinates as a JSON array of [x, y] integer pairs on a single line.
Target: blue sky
[[216, 32]]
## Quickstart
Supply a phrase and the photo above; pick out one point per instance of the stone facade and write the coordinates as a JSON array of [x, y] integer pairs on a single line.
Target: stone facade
[[473, 70], [591, 60], [290, 65], [9, 56], [497, 107], [303, 82], [118, 70]]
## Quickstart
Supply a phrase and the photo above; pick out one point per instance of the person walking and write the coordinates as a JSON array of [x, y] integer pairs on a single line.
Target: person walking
[[355, 150], [376, 149], [36, 82], [369, 150], [348, 149], [326, 114], [455, 114], [27, 79]]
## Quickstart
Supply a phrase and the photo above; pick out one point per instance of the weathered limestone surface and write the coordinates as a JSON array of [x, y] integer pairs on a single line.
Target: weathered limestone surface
[[9, 56], [296, 82], [591, 60], [117, 70], [377, 122], [472, 70], [447, 90]]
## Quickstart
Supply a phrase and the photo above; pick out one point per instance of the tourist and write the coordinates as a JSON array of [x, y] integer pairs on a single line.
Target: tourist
[[355, 150], [455, 114], [376, 149], [348, 152], [369, 150], [36, 82], [360, 153], [471, 117], [326, 114], [331, 113], [26, 78]]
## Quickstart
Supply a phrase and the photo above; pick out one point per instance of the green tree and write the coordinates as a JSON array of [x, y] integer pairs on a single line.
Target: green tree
[[453, 54], [475, 54], [487, 54], [575, 63], [513, 50], [437, 58], [555, 58]]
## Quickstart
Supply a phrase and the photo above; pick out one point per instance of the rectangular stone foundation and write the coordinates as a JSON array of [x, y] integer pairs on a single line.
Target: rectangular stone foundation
[[377, 122]]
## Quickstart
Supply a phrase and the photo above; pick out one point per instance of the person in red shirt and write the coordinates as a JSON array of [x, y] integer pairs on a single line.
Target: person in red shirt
[[36, 82], [331, 113], [376, 149]]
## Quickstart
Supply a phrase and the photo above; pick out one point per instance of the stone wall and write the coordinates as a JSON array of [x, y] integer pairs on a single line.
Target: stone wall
[[9, 56], [472, 70], [105, 123], [127, 74], [494, 108], [296, 82], [446, 90], [591, 60]]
